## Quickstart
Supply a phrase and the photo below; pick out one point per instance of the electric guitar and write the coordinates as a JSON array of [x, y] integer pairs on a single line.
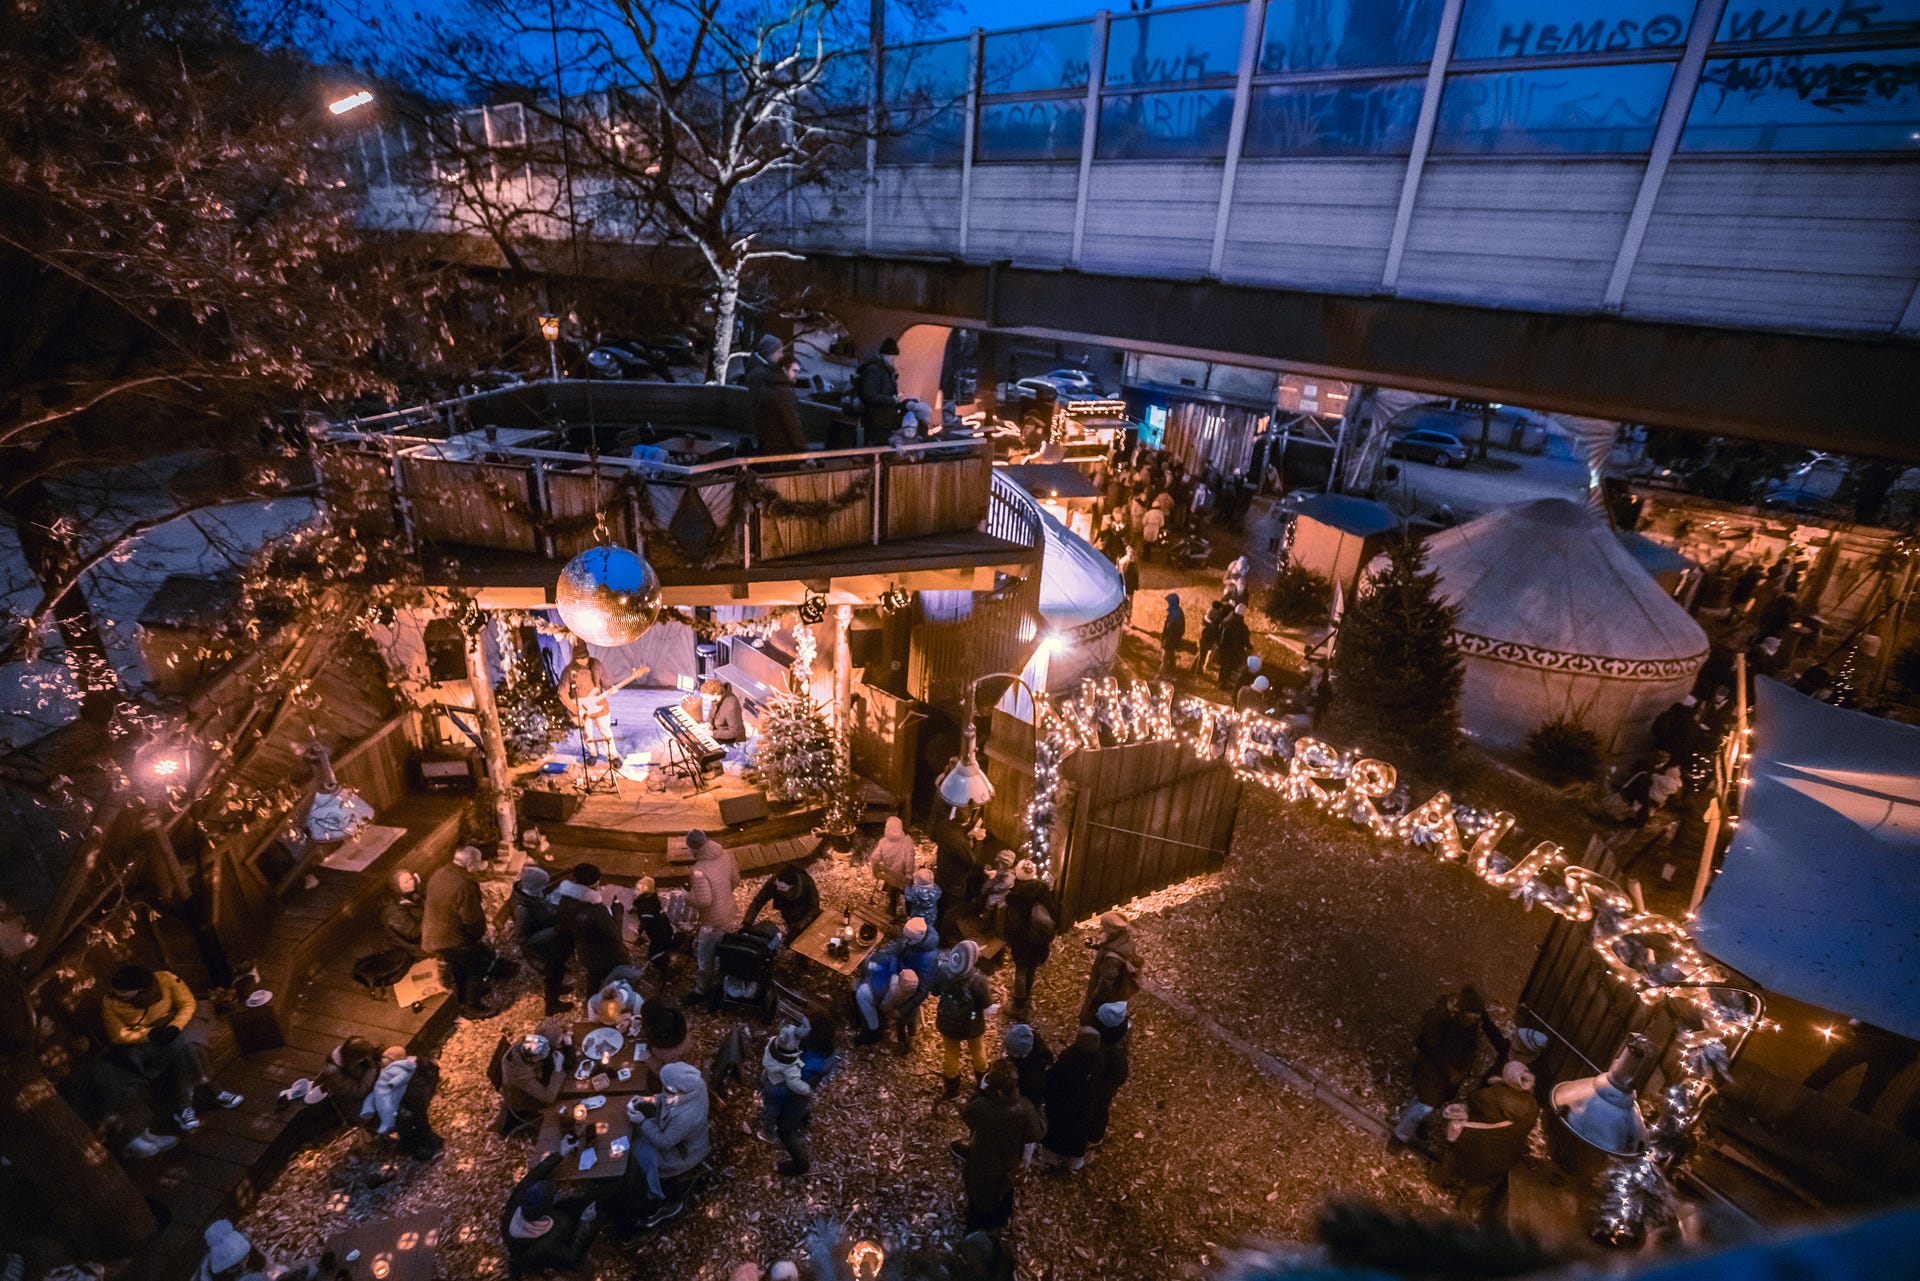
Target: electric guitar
[[593, 704]]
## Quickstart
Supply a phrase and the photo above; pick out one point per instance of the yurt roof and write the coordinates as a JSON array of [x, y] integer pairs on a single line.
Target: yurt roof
[[1550, 575], [1078, 584]]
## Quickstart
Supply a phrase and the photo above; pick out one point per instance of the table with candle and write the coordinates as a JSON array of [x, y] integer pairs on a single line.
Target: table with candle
[[397, 1249], [598, 1130], [605, 1078]]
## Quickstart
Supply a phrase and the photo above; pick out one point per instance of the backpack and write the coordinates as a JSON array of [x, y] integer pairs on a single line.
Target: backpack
[[379, 971]]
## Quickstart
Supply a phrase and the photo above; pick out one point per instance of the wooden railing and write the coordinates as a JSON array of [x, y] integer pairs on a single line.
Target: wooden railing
[[737, 512]]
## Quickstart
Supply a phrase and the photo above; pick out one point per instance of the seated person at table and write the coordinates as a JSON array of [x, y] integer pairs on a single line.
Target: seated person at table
[[539, 1230], [666, 1031], [669, 1137], [530, 1079], [145, 1016], [618, 1004], [729, 722], [794, 896]]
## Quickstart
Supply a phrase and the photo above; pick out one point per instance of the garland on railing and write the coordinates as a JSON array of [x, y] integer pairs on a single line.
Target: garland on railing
[[769, 500], [1651, 953], [756, 629]]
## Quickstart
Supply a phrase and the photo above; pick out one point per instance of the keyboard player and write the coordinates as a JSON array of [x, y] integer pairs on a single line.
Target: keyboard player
[[728, 723]]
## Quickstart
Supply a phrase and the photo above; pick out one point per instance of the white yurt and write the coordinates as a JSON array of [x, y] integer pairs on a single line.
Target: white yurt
[[1083, 605], [1557, 619]]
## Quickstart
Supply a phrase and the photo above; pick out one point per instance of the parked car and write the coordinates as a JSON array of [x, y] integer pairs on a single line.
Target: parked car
[[1429, 445], [1075, 382]]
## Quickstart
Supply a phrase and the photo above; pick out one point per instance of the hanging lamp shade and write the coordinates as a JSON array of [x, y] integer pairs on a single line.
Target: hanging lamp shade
[[608, 596]]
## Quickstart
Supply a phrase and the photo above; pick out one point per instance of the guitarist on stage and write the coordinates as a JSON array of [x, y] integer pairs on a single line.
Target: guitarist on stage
[[583, 689]]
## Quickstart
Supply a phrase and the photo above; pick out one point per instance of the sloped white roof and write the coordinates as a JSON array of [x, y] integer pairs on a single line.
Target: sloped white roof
[[1550, 576], [1078, 584]]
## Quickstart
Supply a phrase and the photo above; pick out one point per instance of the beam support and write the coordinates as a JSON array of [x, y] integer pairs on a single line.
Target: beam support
[[1089, 131], [1250, 32], [1422, 143], [976, 44]]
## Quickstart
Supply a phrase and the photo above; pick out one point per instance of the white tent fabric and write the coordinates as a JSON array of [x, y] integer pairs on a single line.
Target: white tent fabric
[[1819, 897], [1558, 619], [1083, 599]]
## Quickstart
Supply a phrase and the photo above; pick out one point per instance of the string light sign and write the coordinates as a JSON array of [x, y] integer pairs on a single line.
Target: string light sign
[[1651, 953]]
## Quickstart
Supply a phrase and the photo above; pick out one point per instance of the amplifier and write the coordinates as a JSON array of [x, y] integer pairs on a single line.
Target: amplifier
[[446, 774], [549, 807], [735, 810]]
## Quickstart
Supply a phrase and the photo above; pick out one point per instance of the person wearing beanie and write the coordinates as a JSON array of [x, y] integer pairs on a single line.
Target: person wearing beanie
[[786, 1103], [453, 927], [710, 888], [1031, 1057], [1445, 1046], [1487, 1133], [892, 862], [400, 916], [1116, 966], [922, 897], [1110, 1021], [793, 895], [1173, 634], [230, 1255], [1253, 695], [540, 1231], [773, 403], [530, 1080], [876, 391], [1073, 1096], [1210, 625], [962, 1003], [888, 987], [670, 1139], [586, 926], [1236, 641], [145, 1015], [1002, 1124], [653, 929], [1029, 925]]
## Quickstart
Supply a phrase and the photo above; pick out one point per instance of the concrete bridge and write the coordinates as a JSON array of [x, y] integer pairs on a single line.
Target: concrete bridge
[[1699, 215]]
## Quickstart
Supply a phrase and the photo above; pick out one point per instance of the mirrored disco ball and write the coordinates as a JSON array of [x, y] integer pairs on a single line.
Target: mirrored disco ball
[[608, 596]]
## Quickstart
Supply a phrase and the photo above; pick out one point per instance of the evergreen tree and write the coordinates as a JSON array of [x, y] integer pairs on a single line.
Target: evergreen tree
[[1396, 665], [802, 757]]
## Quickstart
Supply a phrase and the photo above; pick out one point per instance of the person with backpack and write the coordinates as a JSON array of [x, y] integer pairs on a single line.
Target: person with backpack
[[876, 393], [962, 1003], [786, 1100], [653, 931], [592, 929], [1002, 1124], [1116, 966], [1031, 921]]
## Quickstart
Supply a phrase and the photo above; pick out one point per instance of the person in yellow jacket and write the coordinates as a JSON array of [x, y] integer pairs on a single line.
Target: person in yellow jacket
[[145, 1015]]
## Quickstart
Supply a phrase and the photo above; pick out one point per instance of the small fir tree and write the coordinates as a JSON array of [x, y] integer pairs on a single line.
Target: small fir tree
[[532, 717], [1396, 665], [802, 757]]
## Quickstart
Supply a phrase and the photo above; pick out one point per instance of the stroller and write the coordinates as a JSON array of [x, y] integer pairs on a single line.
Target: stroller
[[745, 961]]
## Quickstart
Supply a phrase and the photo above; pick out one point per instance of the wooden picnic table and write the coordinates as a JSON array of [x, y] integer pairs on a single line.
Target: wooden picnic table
[[812, 942], [397, 1249], [644, 1080], [609, 1122]]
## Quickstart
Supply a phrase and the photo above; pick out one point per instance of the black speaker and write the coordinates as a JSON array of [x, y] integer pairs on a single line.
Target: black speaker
[[735, 810], [446, 774], [549, 807]]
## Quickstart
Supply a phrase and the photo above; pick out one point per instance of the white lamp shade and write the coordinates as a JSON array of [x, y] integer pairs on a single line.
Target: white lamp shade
[[966, 784]]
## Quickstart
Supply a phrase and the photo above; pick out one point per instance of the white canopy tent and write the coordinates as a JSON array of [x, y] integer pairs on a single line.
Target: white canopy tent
[[1819, 896], [1557, 619], [1083, 609]]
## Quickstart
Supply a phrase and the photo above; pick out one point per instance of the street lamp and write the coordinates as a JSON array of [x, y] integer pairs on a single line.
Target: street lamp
[[966, 785], [352, 102], [550, 330]]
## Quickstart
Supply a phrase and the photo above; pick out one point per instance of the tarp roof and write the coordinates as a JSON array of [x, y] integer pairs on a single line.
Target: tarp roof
[[1655, 557], [1052, 480], [1549, 574], [1819, 897], [1361, 517]]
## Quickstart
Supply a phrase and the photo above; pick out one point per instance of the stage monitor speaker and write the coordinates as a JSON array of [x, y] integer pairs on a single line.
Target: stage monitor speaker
[[549, 807], [446, 774], [735, 810]]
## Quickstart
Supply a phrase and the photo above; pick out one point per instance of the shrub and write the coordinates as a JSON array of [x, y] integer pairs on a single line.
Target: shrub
[[1564, 751], [1299, 597]]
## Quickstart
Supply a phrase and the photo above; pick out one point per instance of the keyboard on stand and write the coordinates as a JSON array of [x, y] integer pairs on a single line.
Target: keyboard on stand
[[695, 749]]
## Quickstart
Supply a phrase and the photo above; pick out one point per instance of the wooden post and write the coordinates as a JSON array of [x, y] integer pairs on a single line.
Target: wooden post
[[162, 862], [492, 739], [842, 668]]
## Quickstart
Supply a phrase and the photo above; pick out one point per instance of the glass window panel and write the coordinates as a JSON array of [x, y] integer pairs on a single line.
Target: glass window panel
[[1529, 28], [923, 138], [1168, 48], [1564, 110], [926, 72], [1187, 123], [1044, 130], [1037, 60], [1357, 118], [1866, 100], [1746, 21], [1305, 35]]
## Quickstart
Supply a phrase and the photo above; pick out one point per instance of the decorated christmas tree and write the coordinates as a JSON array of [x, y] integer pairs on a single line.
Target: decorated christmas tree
[[1396, 665], [802, 757]]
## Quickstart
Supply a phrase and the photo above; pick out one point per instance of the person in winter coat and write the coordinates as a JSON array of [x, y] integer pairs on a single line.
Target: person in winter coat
[[1031, 1058], [1255, 696], [786, 1100], [145, 1015], [397, 1105], [1444, 1049], [1217, 614], [530, 1079], [1487, 1130], [877, 389], [1073, 1099], [772, 400], [400, 917], [539, 1230], [892, 861], [1116, 966], [962, 1003], [670, 1134], [653, 931], [1234, 586], [536, 921], [1114, 1027], [1235, 642], [922, 897], [884, 991], [1001, 1125], [1031, 921], [1173, 634], [710, 894], [793, 895], [592, 926], [453, 927], [729, 722]]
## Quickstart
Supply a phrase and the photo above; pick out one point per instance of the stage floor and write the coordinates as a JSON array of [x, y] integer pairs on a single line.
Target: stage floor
[[634, 729]]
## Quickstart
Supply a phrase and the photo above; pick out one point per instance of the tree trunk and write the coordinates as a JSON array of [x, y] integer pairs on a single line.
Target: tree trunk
[[89, 1200], [493, 741], [726, 304]]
